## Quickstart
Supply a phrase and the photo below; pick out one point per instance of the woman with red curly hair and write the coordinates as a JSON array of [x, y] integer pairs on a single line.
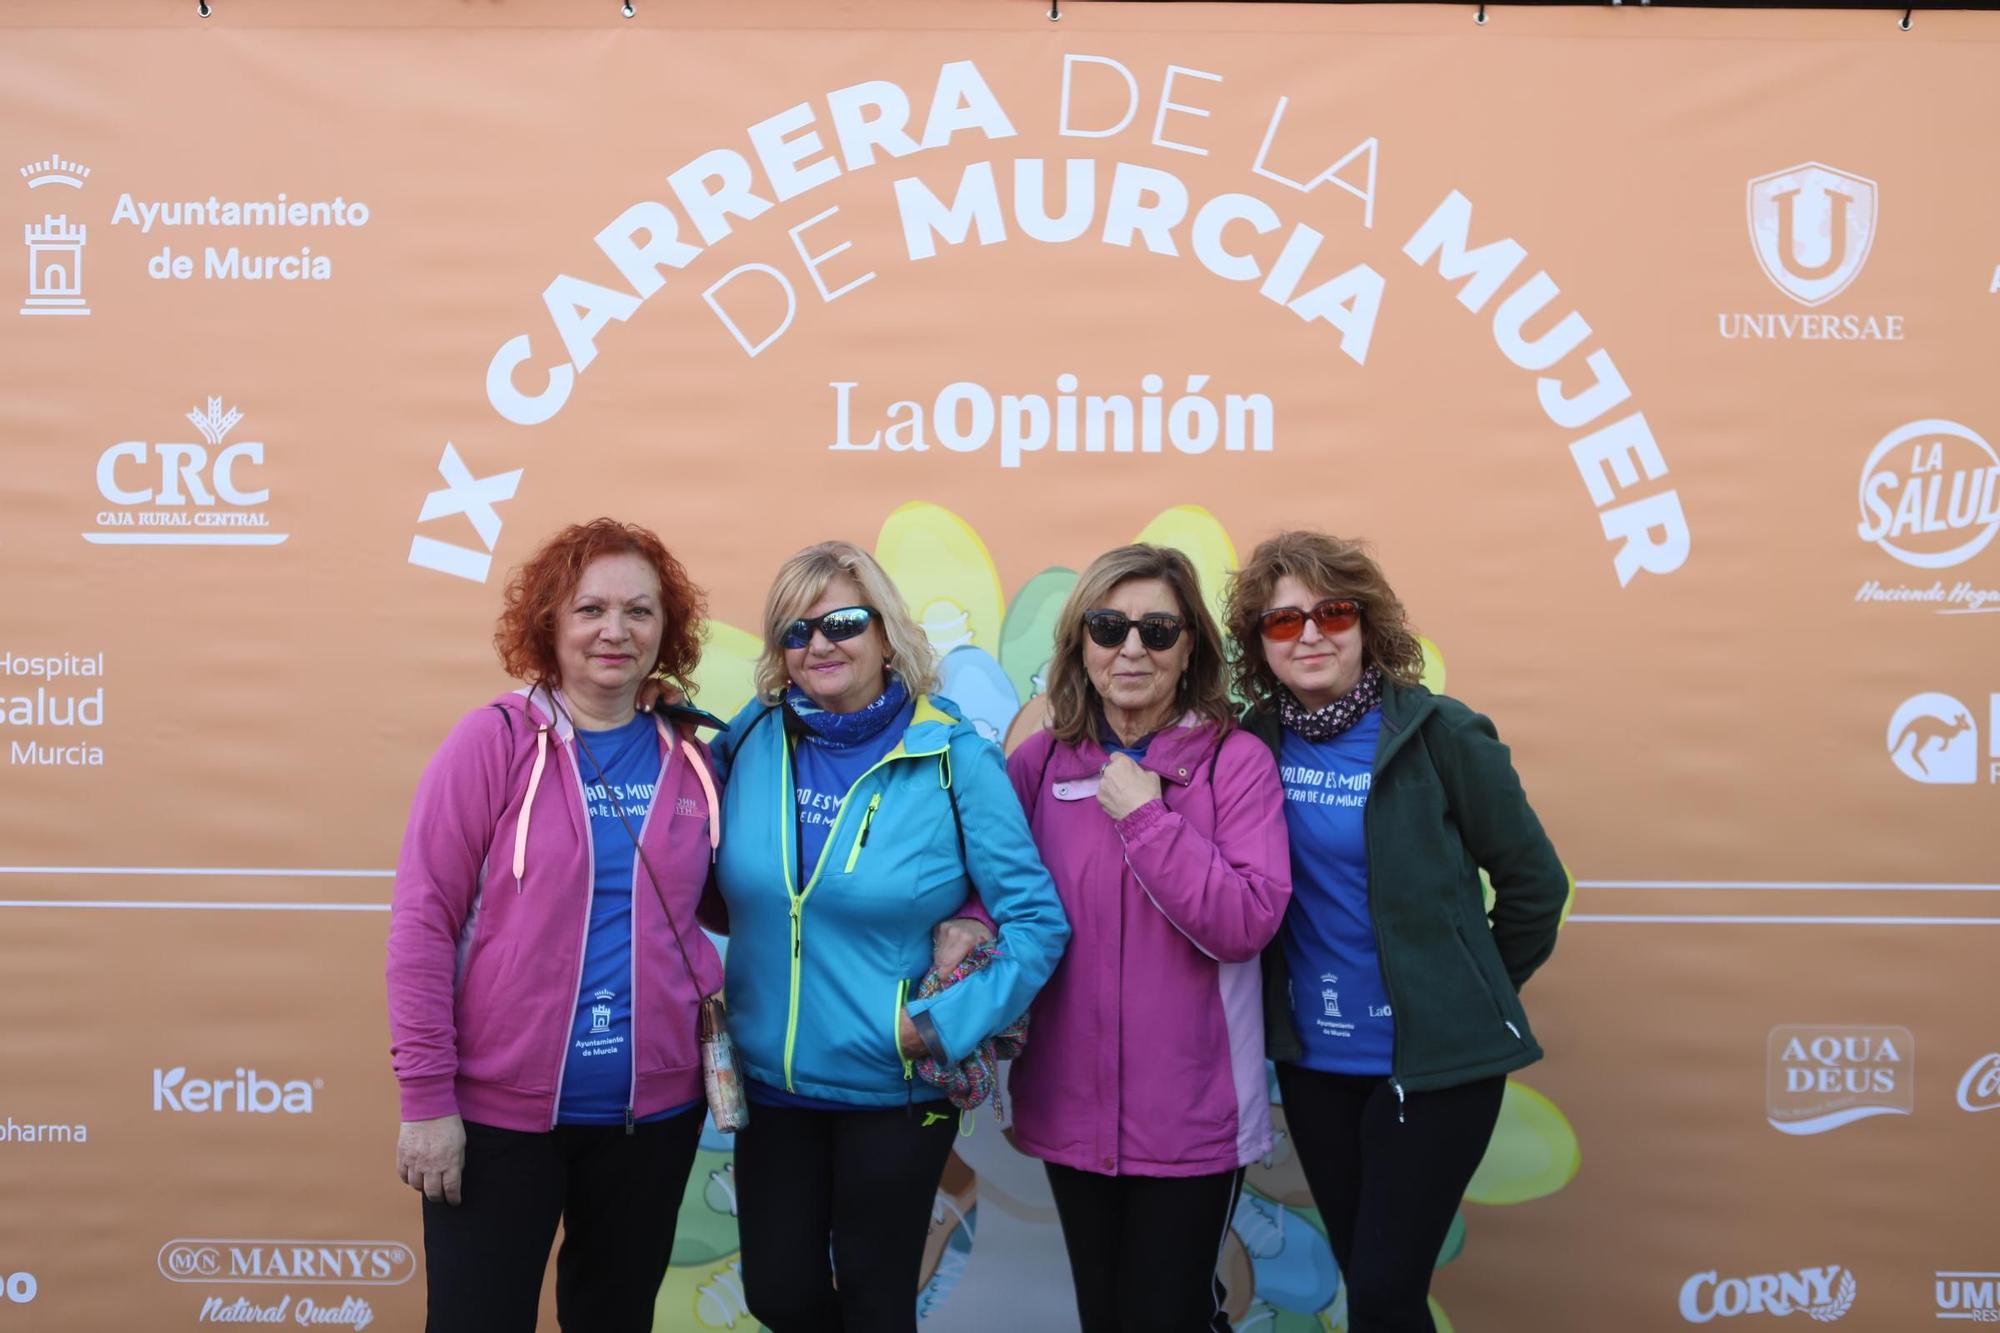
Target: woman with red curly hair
[[544, 964]]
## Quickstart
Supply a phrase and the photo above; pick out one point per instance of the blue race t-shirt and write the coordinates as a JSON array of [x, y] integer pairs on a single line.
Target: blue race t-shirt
[[822, 771], [597, 1067], [1339, 1005]]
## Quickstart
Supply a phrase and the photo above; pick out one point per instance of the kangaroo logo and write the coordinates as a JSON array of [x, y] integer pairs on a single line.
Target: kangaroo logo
[[1932, 738], [1812, 226]]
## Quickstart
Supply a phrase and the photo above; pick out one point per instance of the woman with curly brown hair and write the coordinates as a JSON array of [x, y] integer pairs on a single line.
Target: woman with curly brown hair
[[1391, 994], [544, 963]]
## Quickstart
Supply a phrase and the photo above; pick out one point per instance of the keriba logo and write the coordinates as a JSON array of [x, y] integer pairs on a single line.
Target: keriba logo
[[248, 1093]]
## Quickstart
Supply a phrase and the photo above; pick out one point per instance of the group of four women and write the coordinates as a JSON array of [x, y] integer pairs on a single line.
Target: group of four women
[[1167, 887]]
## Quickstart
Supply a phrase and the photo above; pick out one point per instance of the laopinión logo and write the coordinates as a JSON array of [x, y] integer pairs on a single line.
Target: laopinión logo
[[1979, 1089], [185, 494], [350, 1263], [1930, 498], [1824, 1294], [1812, 227], [55, 244], [247, 1093], [1974, 1297], [1819, 1078], [1934, 738]]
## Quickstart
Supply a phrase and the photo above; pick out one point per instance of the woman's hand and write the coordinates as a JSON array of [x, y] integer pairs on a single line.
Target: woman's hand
[[430, 1157], [653, 690], [953, 939], [1124, 786], [907, 1038]]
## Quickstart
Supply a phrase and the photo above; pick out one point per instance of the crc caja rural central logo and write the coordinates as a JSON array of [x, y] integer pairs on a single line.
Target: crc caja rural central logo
[[186, 494]]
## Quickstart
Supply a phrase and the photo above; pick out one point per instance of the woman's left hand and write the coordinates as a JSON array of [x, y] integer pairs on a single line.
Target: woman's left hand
[[907, 1037], [1124, 786]]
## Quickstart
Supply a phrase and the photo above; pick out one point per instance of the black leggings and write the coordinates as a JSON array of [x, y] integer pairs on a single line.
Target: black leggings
[[858, 1183], [617, 1196], [1387, 1188], [1143, 1249]]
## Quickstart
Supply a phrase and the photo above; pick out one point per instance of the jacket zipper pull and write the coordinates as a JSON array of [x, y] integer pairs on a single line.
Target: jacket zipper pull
[[1511, 1028], [1401, 1119], [628, 1122]]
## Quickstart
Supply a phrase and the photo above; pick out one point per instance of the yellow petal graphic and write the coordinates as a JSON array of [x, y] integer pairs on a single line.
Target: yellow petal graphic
[[1437, 1316], [945, 573], [1433, 665], [704, 1296], [727, 676], [1194, 532], [1534, 1151]]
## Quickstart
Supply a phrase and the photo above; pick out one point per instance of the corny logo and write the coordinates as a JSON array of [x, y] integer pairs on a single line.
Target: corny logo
[[1825, 1294], [1820, 1078]]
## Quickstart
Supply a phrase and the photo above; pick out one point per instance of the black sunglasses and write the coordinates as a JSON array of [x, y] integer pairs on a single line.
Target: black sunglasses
[[838, 625], [1108, 629]]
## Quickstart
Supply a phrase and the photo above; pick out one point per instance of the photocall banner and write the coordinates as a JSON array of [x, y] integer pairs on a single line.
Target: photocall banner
[[1652, 350]]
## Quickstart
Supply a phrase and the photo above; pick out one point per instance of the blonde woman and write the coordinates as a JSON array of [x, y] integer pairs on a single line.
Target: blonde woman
[[862, 815]]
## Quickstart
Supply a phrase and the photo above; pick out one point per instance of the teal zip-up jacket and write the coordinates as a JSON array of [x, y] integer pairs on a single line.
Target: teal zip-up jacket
[[1444, 803], [817, 972]]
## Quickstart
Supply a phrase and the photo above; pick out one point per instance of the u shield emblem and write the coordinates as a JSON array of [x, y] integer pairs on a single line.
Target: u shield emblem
[[1812, 227]]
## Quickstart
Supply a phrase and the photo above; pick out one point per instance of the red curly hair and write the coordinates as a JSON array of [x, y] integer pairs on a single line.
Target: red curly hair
[[525, 637]]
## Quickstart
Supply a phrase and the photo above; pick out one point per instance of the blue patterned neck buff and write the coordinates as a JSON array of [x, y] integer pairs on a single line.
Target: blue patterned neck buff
[[1319, 724], [844, 729]]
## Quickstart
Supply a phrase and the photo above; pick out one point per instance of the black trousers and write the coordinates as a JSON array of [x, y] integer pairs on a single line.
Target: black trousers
[[847, 1193], [1143, 1249], [1387, 1188], [617, 1196]]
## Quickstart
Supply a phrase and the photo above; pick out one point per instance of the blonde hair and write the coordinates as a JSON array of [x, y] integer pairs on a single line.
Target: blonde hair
[[1073, 700], [802, 581], [1332, 567]]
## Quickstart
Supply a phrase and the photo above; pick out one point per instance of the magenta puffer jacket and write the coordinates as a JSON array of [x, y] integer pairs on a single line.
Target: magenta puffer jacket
[[1146, 1054], [492, 902]]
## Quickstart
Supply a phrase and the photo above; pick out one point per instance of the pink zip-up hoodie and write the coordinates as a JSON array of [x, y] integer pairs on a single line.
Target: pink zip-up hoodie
[[492, 904], [1146, 1053]]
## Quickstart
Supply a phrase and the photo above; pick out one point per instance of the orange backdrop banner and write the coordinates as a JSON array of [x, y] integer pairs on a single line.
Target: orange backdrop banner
[[1652, 350]]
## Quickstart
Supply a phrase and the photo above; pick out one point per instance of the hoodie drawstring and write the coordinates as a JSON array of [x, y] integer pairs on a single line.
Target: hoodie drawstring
[[528, 806]]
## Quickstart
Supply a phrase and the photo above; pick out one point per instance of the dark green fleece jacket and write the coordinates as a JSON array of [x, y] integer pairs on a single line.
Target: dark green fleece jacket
[[1444, 802]]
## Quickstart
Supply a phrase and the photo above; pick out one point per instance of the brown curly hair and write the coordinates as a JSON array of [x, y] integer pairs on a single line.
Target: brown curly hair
[[1332, 567], [525, 637], [1073, 701]]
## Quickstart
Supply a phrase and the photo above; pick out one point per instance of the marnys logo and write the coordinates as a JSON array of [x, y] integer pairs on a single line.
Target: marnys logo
[[1933, 738], [1979, 1090], [1820, 1078], [247, 1093], [1825, 1294], [1811, 227], [1930, 497], [1969, 1296], [363, 1263], [182, 509]]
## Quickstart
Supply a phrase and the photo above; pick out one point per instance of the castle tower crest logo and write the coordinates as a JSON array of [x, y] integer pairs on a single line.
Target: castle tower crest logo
[[1812, 226], [55, 244]]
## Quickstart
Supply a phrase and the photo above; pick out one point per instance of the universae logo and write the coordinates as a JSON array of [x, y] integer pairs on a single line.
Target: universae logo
[[1934, 738], [1812, 227]]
